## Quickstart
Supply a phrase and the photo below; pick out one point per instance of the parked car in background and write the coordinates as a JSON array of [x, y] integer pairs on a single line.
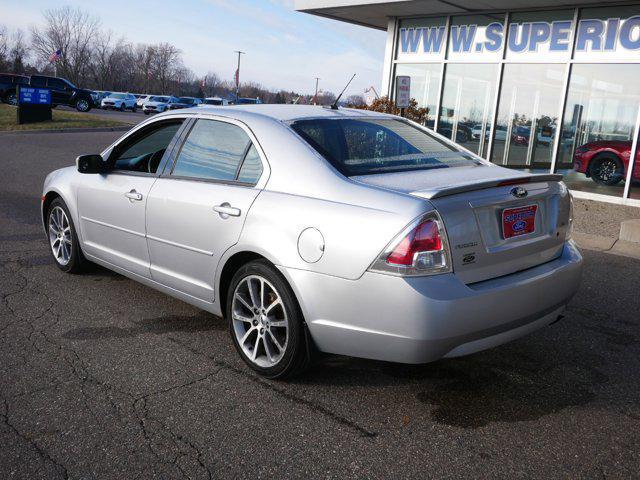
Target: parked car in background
[[248, 101], [520, 135], [8, 87], [63, 92], [142, 99], [158, 104], [605, 161], [185, 102], [345, 231], [120, 101], [214, 101], [98, 95]]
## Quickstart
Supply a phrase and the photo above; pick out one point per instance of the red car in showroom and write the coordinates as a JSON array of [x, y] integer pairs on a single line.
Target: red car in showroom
[[605, 161]]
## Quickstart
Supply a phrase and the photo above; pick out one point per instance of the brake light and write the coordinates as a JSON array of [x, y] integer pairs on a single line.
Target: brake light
[[420, 249], [424, 238]]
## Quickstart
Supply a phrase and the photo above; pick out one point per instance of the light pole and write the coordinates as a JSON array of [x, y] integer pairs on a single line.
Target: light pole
[[238, 76], [315, 101]]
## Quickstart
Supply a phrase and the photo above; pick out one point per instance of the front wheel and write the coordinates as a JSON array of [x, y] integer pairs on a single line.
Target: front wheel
[[607, 170], [134, 109], [122, 107], [63, 239], [265, 321], [82, 105]]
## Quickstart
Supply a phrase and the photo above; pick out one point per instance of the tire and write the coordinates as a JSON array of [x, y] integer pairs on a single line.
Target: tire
[[83, 105], [606, 169], [63, 240], [122, 107], [273, 351], [146, 113], [11, 99], [134, 109]]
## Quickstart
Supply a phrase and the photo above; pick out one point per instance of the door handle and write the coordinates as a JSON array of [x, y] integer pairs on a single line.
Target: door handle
[[133, 195], [226, 210]]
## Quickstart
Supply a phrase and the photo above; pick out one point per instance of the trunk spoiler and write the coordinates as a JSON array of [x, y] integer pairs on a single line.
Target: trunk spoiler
[[445, 191]]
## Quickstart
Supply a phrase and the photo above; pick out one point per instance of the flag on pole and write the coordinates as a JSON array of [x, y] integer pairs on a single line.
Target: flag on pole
[[204, 82], [55, 56], [237, 77]]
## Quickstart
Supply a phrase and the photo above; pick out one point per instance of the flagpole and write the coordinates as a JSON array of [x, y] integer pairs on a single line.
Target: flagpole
[[238, 76]]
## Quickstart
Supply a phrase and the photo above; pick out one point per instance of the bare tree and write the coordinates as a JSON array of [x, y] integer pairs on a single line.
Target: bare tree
[[18, 52], [355, 100], [4, 47], [165, 63], [71, 30]]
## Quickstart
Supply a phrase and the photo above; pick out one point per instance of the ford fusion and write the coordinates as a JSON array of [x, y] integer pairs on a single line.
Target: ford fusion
[[317, 229]]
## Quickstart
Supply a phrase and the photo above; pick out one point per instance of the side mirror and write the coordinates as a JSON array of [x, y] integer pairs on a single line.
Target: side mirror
[[91, 164]]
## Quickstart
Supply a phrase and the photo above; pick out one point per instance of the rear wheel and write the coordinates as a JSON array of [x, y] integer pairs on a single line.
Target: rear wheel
[[265, 321], [63, 239], [11, 99], [122, 107], [606, 170], [82, 105], [134, 108]]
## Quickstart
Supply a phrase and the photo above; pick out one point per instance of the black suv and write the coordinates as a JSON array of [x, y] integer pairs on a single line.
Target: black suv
[[64, 92], [8, 83]]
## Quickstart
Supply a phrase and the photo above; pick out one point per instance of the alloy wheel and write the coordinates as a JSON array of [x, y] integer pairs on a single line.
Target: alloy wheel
[[60, 235], [82, 105], [260, 321]]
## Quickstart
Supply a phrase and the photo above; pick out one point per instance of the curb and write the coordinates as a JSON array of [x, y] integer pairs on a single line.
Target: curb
[[69, 130], [611, 245]]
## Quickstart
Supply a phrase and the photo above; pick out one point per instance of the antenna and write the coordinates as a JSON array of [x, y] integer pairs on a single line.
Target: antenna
[[335, 104]]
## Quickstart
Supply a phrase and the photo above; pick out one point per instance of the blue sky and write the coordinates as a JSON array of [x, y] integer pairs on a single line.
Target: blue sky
[[285, 49]]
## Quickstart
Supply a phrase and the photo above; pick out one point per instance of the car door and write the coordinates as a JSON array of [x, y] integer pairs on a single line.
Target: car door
[[112, 206], [196, 209], [60, 91]]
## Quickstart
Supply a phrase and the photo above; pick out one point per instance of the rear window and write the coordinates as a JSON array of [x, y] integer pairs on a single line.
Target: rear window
[[369, 146]]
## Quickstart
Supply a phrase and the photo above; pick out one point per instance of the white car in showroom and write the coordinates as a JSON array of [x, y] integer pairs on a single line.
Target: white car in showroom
[[310, 228], [158, 104], [119, 101]]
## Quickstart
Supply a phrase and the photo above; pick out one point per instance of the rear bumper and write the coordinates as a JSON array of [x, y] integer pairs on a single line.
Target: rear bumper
[[418, 320]]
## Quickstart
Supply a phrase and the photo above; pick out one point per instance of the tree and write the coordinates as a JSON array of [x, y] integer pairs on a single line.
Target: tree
[[386, 105], [355, 100], [72, 31], [18, 53], [165, 63]]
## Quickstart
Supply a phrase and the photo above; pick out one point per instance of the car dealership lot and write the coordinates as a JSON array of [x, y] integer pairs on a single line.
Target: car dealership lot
[[102, 377]]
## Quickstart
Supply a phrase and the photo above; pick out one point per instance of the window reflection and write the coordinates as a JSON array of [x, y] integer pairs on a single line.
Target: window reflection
[[634, 190], [467, 104], [597, 131], [425, 81], [527, 115]]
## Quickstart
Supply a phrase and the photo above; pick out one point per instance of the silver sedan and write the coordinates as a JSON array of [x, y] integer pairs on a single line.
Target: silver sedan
[[317, 229]]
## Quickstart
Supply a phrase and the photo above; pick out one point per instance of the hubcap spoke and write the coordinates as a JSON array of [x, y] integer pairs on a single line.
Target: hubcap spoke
[[275, 341], [243, 302], [60, 235]]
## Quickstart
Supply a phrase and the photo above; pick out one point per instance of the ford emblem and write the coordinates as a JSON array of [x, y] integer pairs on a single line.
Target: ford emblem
[[519, 226], [519, 192]]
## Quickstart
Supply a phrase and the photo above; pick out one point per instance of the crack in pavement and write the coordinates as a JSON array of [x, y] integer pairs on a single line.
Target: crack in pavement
[[313, 406], [60, 469]]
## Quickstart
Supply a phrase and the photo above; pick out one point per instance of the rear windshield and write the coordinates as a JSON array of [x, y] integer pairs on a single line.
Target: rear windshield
[[160, 99], [369, 146]]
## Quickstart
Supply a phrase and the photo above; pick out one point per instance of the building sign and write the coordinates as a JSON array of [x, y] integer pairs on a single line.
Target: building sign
[[403, 91], [613, 37], [34, 96]]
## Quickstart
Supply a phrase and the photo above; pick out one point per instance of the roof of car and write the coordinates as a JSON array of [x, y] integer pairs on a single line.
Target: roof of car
[[284, 112]]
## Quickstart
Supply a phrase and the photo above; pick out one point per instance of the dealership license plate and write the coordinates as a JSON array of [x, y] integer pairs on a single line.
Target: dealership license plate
[[519, 221]]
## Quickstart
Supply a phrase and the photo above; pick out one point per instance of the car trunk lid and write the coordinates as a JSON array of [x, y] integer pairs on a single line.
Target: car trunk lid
[[472, 202]]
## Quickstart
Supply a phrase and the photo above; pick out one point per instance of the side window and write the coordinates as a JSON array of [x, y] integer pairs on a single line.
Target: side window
[[38, 82], [251, 167], [143, 151], [213, 151], [57, 84]]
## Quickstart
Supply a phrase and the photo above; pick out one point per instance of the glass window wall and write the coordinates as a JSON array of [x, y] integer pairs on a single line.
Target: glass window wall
[[527, 118], [597, 131], [425, 82], [467, 104]]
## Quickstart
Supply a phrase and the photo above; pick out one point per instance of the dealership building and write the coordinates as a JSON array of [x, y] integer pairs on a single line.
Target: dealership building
[[537, 85]]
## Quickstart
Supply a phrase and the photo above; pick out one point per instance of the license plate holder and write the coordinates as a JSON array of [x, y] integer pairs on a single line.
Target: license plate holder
[[519, 221]]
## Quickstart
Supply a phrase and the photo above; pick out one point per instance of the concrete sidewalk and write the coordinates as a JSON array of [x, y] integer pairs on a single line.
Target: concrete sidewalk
[[597, 227]]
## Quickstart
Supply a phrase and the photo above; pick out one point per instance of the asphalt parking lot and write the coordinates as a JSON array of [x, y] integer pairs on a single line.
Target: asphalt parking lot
[[101, 377]]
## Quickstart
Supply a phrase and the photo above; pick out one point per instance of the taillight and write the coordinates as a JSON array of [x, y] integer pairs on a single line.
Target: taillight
[[420, 249]]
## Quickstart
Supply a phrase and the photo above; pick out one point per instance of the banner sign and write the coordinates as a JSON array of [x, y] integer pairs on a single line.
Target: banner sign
[[34, 96], [613, 37]]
